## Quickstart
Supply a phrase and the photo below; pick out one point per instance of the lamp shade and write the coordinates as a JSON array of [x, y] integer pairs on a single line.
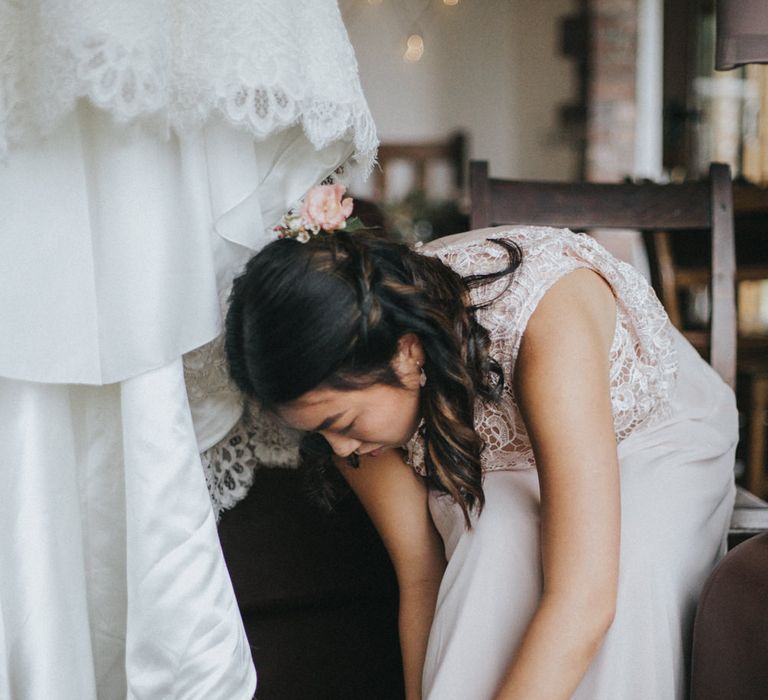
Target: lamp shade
[[742, 33]]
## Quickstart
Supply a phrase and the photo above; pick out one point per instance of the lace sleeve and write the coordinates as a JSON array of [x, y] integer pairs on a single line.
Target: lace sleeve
[[643, 360], [506, 307]]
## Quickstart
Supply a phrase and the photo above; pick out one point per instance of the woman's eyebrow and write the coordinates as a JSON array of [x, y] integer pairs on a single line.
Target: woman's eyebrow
[[328, 422]]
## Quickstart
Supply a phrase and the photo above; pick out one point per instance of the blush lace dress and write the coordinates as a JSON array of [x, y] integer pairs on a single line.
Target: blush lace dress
[[676, 428]]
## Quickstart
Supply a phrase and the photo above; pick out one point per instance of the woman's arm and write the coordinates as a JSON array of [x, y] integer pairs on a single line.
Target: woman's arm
[[562, 385], [396, 501]]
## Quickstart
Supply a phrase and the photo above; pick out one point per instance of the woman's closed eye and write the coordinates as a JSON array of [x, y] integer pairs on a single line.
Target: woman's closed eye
[[337, 431], [346, 429]]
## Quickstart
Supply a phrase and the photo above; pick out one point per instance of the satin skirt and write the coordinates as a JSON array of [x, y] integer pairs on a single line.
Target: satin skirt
[[677, 496], [112, 581]]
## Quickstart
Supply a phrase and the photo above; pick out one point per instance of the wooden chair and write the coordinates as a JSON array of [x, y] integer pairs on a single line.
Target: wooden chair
[[678, 271], [420, 156], [751, 219], [660, 211]]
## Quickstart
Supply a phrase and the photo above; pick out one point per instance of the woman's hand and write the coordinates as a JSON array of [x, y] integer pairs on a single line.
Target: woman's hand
[[563, 389], [395, 498]]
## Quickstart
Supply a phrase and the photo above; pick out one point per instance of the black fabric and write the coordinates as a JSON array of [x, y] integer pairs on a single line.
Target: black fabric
[[317, 594]]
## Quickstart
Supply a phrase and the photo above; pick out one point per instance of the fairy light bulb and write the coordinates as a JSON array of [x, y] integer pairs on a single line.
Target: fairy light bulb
[[414, 48], [450, 3]]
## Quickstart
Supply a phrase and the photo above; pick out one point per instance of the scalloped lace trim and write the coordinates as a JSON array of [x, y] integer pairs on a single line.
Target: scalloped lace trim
[[256, 441], [263, 65], [253, 443]]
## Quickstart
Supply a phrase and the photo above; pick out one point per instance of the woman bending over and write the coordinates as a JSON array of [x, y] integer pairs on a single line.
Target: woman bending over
[[547, 460]]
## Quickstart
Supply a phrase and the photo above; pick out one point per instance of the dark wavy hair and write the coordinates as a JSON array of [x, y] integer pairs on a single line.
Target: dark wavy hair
[[330, 313]]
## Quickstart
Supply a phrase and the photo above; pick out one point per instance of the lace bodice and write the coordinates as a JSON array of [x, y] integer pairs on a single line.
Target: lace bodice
[[643, 361], [263, 64]]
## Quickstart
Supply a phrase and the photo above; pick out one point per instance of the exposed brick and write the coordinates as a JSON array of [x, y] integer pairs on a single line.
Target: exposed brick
[[612, 102]]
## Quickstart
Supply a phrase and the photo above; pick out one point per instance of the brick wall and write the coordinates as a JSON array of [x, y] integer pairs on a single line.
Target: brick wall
[[611, 90]]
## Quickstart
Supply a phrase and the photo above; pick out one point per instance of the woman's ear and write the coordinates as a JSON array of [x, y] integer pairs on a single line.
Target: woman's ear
[[409, 360], [410, 349]]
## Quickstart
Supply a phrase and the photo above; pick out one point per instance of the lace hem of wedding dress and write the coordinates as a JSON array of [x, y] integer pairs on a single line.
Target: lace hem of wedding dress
[[255, 442], [263, 64]]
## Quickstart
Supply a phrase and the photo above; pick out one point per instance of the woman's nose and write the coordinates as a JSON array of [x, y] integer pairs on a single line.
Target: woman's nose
[[341, 445]]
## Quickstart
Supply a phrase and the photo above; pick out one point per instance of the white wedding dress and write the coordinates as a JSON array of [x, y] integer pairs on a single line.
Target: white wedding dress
[[146, 149]]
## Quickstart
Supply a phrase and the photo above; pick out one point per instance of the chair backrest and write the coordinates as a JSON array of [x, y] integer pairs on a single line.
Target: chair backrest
[[659, 211], [420, 156]]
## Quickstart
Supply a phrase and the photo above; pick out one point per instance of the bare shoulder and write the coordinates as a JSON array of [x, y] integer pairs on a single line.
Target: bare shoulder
[[581, 302]]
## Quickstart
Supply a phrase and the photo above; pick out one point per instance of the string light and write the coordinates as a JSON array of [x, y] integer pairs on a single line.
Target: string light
[[414, 48]]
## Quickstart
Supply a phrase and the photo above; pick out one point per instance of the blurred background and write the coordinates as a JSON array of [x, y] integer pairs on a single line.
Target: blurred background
[[563, 90], [569, 91]]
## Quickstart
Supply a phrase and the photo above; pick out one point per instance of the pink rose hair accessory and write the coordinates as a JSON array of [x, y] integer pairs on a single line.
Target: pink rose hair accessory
[[325, 210]]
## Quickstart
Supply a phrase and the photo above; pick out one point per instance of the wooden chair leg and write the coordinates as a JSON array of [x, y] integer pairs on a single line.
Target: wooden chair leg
[[757, 429]]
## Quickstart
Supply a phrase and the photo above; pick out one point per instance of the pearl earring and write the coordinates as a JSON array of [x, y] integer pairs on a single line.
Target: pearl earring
[[422, 377]]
